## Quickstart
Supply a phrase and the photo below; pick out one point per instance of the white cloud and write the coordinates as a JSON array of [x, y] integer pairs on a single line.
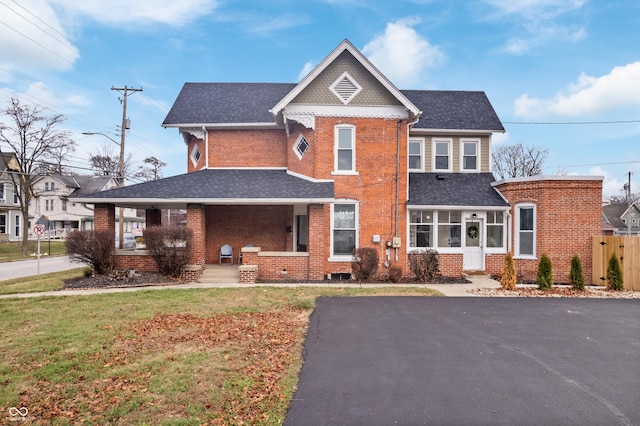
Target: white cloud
[[139, 12], [587, 95], [537, 22], [402, 54], [306, 69], [33, 37]]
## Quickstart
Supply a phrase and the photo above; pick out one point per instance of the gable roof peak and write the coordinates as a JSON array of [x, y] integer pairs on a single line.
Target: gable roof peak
[[346, 45]]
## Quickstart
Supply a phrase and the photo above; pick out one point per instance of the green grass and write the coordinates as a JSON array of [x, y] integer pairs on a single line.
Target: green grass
[[115, 358], [38, 283], [13, 251]]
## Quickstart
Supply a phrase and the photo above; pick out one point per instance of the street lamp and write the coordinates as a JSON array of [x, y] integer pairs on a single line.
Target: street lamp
[[121, 218]]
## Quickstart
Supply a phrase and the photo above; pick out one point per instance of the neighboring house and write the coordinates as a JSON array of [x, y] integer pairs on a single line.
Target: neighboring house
[[621, 219], [307, 172], [51, 200], [11, 226]]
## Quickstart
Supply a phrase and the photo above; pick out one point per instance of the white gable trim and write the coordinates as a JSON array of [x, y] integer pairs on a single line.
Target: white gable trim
[[345, 45]]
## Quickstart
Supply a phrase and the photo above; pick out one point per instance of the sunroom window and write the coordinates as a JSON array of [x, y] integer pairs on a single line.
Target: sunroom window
[[421, 228], [495, 229], [449, 228]]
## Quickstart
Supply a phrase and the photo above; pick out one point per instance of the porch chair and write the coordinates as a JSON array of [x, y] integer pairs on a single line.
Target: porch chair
[[226, 252], [240, 254]]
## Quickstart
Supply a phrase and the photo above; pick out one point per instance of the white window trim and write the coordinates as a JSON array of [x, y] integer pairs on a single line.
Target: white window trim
[[462, 142], [516, 237], [297, 143], [421, 142], [505, 229], [193, 153], [344, 258], [449, 154], [353, 150]]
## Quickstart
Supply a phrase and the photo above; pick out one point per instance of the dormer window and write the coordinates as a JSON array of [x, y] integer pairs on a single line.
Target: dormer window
[[345, 88]]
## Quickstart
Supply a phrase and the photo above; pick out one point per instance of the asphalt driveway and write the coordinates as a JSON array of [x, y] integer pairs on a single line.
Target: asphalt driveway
[[470, 361]]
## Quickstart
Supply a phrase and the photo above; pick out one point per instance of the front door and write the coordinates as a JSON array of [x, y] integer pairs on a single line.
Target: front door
[[473, 258]]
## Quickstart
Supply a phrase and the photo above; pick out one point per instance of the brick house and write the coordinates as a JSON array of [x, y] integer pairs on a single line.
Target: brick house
[[306, 172]]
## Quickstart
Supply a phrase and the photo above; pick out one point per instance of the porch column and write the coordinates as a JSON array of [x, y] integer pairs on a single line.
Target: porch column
[[104, 217], [316, 241], [153, 217], [197, 223]]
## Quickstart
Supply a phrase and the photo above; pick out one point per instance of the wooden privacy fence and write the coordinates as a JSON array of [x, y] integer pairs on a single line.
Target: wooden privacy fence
[[628, 251]]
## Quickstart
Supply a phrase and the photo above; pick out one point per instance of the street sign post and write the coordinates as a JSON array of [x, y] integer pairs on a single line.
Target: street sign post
[[38, 230]]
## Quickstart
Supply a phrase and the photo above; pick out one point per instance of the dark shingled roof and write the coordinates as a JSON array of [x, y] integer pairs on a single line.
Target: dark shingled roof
[[235, 103], [453, 189], [212, 184], [225, 103], [442, 109]]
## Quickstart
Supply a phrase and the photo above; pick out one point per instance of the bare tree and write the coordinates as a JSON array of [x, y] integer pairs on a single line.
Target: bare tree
[[33, 137], [105, 162], [151, 170], [510, 161]]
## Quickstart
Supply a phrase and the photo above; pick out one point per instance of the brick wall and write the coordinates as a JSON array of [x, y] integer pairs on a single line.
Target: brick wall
[[262, 226], [568, 214], [140, 262], [104, 217], [248, 148]]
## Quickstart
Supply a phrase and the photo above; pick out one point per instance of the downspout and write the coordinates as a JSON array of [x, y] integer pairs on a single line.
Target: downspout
[[397, 185], [206, 147]]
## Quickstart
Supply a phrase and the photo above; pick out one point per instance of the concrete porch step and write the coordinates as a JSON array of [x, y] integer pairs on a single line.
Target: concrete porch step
[[215, 273]]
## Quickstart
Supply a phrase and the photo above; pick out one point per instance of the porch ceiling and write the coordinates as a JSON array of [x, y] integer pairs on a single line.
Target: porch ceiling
[[218, 186]]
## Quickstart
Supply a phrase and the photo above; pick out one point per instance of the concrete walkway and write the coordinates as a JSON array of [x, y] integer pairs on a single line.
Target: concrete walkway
[[449, 290]]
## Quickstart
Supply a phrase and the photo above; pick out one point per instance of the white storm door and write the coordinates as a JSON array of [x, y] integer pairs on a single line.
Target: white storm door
[[473, 258]]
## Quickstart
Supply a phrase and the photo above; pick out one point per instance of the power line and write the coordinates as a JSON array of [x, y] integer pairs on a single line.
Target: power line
[[571, 122]]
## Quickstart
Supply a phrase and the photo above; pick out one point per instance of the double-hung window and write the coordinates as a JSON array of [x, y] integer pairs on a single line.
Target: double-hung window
[[17, 233], [345, 149], [470, 158], [3, 223], [421, 228], [525, 230], [344, 229], [415, 155], [442, 155], [2, 197]]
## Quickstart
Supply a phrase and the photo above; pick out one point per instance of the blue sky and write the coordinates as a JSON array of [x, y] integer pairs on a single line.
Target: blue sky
[[539, 61]]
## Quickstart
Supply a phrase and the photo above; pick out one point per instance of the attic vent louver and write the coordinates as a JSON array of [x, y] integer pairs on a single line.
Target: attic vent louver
[[345, 88]]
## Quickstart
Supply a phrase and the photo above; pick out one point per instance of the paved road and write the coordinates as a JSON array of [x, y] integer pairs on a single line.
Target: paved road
[[470, 361], [25, 268]]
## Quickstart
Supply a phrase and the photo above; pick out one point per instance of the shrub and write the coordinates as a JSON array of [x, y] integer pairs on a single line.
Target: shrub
[[95, 247], [544, 278], [424, 264], [509, 279], [170, 248], [575, 275], [87, 272], [395, 274], [365, 263], [614, 274]]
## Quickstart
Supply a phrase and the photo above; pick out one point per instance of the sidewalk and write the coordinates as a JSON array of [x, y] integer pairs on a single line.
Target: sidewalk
[[449, 290]]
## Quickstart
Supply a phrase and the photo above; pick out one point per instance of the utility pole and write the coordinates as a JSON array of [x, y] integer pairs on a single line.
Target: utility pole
[[123, 130]]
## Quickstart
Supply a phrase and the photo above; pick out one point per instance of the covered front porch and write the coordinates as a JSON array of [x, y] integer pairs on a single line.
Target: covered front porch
[[275, 224]]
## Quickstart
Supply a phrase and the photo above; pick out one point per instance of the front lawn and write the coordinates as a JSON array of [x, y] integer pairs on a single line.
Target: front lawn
[[175, 357], [38, 283], [13, 251]]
